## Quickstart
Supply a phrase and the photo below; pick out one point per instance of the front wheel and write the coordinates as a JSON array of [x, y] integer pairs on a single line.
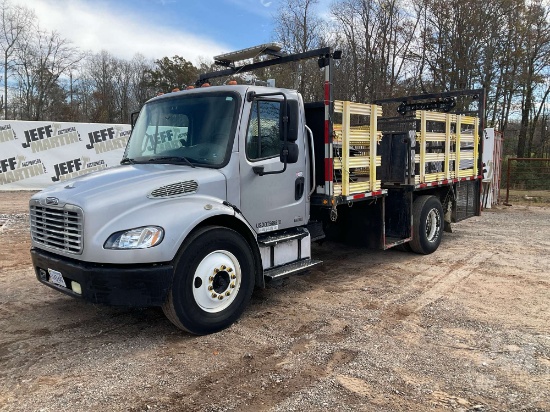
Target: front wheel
[[213, 281], [427, 224]]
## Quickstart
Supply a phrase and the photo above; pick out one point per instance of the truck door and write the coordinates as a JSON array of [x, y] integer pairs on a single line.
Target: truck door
[[273, 201]]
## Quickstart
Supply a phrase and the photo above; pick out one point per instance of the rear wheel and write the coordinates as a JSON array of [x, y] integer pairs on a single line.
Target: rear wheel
[[427, 224], [213, 281]]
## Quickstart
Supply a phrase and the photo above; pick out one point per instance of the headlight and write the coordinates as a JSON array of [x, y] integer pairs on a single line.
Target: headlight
[[138, 238]]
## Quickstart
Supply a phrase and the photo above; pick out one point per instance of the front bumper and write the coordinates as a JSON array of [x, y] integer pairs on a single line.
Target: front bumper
[[119, 285]]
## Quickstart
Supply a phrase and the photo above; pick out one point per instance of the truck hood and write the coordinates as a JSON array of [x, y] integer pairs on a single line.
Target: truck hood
[[124, 184]]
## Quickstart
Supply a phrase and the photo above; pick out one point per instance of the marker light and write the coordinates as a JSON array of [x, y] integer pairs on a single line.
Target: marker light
[[138, 238]]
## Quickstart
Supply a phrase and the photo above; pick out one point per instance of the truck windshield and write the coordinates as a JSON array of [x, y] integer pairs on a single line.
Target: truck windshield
[[192, 129]]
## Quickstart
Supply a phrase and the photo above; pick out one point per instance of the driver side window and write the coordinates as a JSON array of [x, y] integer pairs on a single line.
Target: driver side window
[[263, 139]]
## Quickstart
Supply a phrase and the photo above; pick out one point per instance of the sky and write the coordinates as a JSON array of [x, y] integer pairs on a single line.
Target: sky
[[192, 29]]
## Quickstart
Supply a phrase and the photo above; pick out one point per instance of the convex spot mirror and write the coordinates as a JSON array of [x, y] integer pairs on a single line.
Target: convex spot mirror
[[291, 152]]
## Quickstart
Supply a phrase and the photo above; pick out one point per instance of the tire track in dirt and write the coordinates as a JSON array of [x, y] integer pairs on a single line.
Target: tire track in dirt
[[261, 378], [434, 287], [265, 376], [454, 277]]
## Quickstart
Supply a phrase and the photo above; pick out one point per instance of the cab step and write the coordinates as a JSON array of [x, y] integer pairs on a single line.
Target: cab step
[[272, 239], [291, 268]]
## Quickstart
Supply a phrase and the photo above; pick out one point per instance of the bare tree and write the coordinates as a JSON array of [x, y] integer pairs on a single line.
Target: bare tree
[[299, 28], [99, 76], [377, 39], [14, 22], [140, 80], [41, 64], [110, 89], [535, 60]]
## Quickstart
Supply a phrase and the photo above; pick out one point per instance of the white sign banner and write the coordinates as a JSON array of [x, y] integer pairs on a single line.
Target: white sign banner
[[34, 155]]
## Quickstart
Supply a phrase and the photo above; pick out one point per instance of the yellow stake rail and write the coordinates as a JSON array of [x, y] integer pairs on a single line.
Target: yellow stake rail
[[457, 135]]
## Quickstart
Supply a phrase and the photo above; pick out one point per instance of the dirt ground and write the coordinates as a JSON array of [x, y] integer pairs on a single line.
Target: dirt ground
[[525, 196], [464, 329]]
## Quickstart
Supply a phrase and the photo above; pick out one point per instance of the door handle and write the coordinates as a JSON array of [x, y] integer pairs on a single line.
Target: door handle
[[299, 188]]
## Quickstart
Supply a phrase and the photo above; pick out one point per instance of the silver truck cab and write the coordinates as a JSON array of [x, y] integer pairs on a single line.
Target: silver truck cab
[[212, 195]]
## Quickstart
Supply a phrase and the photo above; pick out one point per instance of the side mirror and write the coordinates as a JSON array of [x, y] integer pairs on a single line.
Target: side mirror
[[293, 120], [290, 153], [288, 124], [133, 118]]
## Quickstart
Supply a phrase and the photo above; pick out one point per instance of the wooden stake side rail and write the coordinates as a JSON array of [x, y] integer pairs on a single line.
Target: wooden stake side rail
[[460, 142]]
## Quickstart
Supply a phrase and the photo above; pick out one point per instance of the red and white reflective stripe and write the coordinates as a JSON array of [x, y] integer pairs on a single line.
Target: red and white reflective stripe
[[327, 93], [328, 140], [368, 194], [327, 131], [328, 169], [446, 182]]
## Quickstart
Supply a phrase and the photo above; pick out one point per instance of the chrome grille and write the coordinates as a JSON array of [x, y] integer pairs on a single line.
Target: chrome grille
[[57, 227], [175, 189]]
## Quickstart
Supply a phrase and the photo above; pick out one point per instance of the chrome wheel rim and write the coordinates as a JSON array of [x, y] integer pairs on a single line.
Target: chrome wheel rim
[[433, 225]]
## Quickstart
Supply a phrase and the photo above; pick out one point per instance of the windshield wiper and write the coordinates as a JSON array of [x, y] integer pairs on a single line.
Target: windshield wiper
[[126, 161], [171, 159]]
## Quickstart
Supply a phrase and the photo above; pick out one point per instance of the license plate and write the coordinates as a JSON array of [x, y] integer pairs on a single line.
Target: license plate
[[56, 278]]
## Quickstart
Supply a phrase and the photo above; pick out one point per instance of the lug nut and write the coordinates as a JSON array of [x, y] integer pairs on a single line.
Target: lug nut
[[214, 295], [223, 267], [232, 285], [230, 270], [211, 279], [220, 297], [233, 277], [210, 288], [227, 293], [216, 270]]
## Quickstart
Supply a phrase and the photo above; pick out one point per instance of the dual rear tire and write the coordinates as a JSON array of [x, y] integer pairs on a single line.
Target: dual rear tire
[[427, 225]]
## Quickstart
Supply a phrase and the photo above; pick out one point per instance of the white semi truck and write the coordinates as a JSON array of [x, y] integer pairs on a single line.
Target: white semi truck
[[223, 188]]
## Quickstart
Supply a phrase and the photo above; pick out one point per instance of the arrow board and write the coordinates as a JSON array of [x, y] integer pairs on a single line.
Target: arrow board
[[249, 53]]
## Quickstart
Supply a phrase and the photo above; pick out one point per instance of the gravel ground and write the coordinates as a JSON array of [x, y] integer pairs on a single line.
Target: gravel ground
[[464, 329]]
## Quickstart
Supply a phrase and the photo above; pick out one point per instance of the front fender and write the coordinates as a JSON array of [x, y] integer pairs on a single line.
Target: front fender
[[177, 216]]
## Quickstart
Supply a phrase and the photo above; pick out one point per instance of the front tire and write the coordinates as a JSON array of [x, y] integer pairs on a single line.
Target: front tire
[[427, 224], [213, 281]]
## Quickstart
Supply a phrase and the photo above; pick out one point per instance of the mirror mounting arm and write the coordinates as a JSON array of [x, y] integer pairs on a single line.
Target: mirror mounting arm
[[259, 170]]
